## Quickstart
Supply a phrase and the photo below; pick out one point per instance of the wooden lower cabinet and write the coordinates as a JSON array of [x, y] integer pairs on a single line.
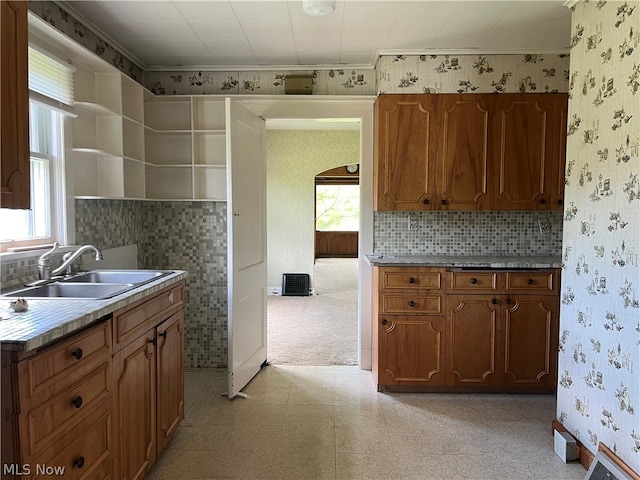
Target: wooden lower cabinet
[[135, 405], [473, 343], [465, 330], [101, 404], [411, 350]]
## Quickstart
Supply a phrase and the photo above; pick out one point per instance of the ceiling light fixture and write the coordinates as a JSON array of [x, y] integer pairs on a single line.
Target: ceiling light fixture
[[318, 8]]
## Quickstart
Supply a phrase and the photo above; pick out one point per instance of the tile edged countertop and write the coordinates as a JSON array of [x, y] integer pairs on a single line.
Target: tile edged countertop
[[50, 319], [463, 261]]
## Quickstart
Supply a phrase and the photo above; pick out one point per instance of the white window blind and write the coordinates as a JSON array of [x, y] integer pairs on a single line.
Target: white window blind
[[51, 81]]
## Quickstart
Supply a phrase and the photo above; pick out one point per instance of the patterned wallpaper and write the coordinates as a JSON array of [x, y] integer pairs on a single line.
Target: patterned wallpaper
[[325, 82], [187, 236], [599, 362], [530, 73], [294, 158]]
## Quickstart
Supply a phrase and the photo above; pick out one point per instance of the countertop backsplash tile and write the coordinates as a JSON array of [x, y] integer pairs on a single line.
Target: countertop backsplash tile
[[467, 233]]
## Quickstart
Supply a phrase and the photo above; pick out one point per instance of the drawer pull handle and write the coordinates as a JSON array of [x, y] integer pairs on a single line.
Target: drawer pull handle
[[79, 462], [412, 280], [77, 353], [77, 402], [508, 301], [530, 281], [494, 301], [474, 280], [412, 303], [385, 322]]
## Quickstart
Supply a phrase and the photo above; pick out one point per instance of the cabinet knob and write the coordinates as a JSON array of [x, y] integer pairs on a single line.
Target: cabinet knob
[[412, 303], [426, 201], [77, 353], [543, 201], [79, 462], [474, 280], [494, 301], [443, 202], [412, 280], [385, 322], [77, 402], [529, 281], [560, 201], [508, 302]]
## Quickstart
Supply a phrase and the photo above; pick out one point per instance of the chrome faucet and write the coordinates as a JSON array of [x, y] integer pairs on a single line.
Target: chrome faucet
[[44, 262]]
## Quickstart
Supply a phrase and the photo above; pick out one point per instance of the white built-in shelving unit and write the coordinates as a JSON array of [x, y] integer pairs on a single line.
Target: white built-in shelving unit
[[129, 143]]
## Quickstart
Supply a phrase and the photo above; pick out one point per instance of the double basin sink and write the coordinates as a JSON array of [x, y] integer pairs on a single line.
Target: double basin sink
[[95, 284]]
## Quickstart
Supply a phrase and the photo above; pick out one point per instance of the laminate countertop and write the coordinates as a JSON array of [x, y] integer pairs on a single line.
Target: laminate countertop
[[464, 261], [49, 319]]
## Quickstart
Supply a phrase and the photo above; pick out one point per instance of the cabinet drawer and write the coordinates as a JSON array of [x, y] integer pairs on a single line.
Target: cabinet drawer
[[132, 321], [407, 304], [531, 282], [57, 367], [473, 282], [411, 278], [84, 452], [46, 423]]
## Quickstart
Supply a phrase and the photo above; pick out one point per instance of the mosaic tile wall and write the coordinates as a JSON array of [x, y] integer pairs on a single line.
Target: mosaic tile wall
[[599, 358], [188, 236], [467, 233]]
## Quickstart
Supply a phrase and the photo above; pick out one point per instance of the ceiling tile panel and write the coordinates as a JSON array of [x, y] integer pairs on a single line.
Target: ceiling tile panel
[[261, 11], [277, 59], [219, 11], [218, 31], [228, 47]]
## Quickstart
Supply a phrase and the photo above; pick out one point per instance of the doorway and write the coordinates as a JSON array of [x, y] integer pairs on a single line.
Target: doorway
[[322, 328], [343, 107]]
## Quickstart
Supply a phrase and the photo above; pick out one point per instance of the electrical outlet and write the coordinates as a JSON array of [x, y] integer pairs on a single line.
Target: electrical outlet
[[413, 221], [545, 225], [272, 291]]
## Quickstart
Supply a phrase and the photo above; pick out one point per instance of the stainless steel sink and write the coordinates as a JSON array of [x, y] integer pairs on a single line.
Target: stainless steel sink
[[72, 290], [135, 277], [96, 284]]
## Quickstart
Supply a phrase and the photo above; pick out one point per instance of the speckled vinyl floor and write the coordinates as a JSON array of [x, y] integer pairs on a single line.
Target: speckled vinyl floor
[[329, 422]]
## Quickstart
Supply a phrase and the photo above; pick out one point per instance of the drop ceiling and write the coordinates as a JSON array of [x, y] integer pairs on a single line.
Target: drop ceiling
[[245, 34]]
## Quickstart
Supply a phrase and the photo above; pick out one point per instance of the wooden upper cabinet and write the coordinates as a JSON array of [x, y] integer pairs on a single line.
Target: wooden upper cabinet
[[463, 153], [559, 150], [522, 137], [14, 102], [405, 152]]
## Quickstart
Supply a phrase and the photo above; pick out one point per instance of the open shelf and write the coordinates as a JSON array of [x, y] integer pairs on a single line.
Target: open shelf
[[208, 114], [168, 114], [210, 182], [169, 183], [210, 148]]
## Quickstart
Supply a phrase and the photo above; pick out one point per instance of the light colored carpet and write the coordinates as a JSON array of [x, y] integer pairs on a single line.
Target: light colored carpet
[[320, 329]]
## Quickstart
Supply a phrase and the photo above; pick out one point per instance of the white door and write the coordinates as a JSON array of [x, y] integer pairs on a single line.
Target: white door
[[247, 245]]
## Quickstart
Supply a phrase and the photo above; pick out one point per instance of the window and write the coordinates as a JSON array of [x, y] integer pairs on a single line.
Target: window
[[337, 208], [38, 225], [51, 93]]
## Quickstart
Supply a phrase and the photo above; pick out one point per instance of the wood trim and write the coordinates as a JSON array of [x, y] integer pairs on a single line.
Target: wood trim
[[615, 459], [585, 457]]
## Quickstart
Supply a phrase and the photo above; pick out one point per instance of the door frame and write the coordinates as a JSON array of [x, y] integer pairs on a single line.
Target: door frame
[[339, 106]]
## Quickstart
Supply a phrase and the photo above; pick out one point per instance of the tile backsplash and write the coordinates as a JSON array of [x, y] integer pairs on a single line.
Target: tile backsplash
[[468, 233]]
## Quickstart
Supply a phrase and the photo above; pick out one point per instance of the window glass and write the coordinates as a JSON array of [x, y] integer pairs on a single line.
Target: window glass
[[338, 208]]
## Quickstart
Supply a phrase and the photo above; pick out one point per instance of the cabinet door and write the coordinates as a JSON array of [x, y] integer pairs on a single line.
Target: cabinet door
[[135, 404], [170, 377], [473, 340], [405, 152], [522, 146], [411, 350], [463, 152], [14, 97], [530, 341], [559, 151]]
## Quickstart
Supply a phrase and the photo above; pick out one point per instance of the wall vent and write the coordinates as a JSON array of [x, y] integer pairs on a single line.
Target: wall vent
[[295, 284]]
